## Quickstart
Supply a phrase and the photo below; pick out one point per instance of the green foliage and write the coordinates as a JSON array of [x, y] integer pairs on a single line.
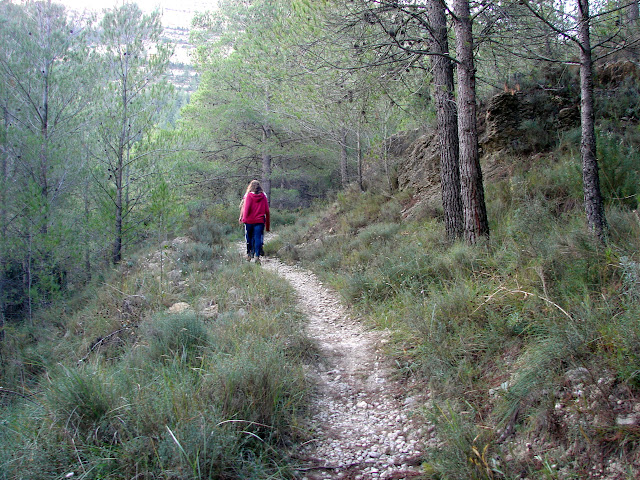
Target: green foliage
[[465, 453], [209, 232], [206, 399], [619, 104], [257, 386], [82, 402], [620, 173], [176, 336], [490, 327]]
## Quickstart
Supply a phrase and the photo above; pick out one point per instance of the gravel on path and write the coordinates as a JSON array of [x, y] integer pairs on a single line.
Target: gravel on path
[[362, 420]]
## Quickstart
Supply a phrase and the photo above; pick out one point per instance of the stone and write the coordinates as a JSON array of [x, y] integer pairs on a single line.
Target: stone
[[627, 420], [577, 375], [210, 312], [180, 307]]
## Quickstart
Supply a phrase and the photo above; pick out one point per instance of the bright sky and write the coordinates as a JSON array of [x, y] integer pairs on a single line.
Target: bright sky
[[175, 13], [145, 5]]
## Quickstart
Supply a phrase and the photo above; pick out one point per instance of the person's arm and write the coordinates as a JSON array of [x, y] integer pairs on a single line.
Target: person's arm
[[241, 211], [245, 207]]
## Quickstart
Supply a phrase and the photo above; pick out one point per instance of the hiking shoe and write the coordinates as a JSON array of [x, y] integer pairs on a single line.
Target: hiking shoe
[[258, 260], [249, 257]]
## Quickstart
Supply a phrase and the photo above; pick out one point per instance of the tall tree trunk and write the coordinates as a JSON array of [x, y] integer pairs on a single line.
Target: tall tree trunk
[[343, 157], [447, 120], [593, 203], [116, 255], [3, 216], [359, 155], [27, 275], [87, 239], [476, 224], [266, 163], [44, 159], [119, 166]]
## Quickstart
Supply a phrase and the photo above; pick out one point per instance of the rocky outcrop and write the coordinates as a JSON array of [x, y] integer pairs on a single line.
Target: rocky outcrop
[[614, 74], [420, 166], [523, 123], [512, 123]]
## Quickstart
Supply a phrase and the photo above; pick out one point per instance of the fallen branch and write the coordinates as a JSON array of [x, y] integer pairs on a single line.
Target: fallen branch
[[99, 342], [6, 391], [526, 294]]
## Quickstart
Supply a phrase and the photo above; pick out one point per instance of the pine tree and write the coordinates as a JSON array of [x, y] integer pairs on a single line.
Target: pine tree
[[135, 60]]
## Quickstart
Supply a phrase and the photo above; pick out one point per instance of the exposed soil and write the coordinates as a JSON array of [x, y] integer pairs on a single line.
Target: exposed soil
[[364, 423]]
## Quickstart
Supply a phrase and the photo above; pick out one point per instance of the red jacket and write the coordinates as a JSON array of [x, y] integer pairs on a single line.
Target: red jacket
[[256, 209]]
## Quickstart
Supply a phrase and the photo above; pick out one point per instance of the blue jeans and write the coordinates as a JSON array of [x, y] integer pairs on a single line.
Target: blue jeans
[[254, 235]]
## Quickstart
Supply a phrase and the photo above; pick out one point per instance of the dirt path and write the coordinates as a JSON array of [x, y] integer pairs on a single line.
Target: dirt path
[[362, 421]]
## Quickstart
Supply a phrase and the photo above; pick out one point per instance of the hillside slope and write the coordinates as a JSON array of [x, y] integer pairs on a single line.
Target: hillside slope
[[529, 342]]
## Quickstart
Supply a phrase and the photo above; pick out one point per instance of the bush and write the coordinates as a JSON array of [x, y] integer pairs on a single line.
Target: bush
[[83, 402], [619, 171], [210, 232], [259, 388], [181, 336]]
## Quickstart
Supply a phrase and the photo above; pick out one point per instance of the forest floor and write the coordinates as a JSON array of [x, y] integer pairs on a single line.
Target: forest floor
[[365, 421]]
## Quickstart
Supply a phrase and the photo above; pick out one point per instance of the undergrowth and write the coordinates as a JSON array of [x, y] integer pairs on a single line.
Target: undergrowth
[[125, 388], [499, 329]]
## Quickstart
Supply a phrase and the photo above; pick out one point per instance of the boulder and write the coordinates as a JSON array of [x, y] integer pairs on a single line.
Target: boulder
[[180, 307]]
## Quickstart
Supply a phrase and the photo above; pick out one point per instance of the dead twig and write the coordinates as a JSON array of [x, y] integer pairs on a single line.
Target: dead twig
[[6, 391], [99, 342], [526, 294]]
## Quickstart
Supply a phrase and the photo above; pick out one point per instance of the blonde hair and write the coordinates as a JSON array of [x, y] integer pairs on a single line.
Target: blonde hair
[[254, 186]]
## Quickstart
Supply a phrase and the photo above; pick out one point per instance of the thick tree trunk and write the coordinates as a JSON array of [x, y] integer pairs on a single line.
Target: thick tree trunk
[[472, 190], [266, 164], [447, 120], [593, 203], [343, 158]]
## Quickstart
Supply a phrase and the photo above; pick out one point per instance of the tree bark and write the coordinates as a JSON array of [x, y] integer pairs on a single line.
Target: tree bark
[[266, 163], [359, 155], [87, 239], [443, 88], [343, 157], [118, 168], [117, 241], [476, 224], [633, 13], [3, 217], [44, 149], [593, 202]]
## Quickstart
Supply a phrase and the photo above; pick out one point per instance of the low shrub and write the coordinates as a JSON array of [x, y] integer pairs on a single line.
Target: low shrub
[[184, 399], [83, 403], [465, 452], [494, 328], [183, 336], [258, 388], [209, 232]]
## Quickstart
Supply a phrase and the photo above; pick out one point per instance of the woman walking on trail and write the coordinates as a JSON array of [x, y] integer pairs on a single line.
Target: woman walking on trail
[[254, 213]]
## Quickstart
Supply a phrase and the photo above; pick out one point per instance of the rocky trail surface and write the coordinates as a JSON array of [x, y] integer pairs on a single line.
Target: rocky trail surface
[[363, 422]]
